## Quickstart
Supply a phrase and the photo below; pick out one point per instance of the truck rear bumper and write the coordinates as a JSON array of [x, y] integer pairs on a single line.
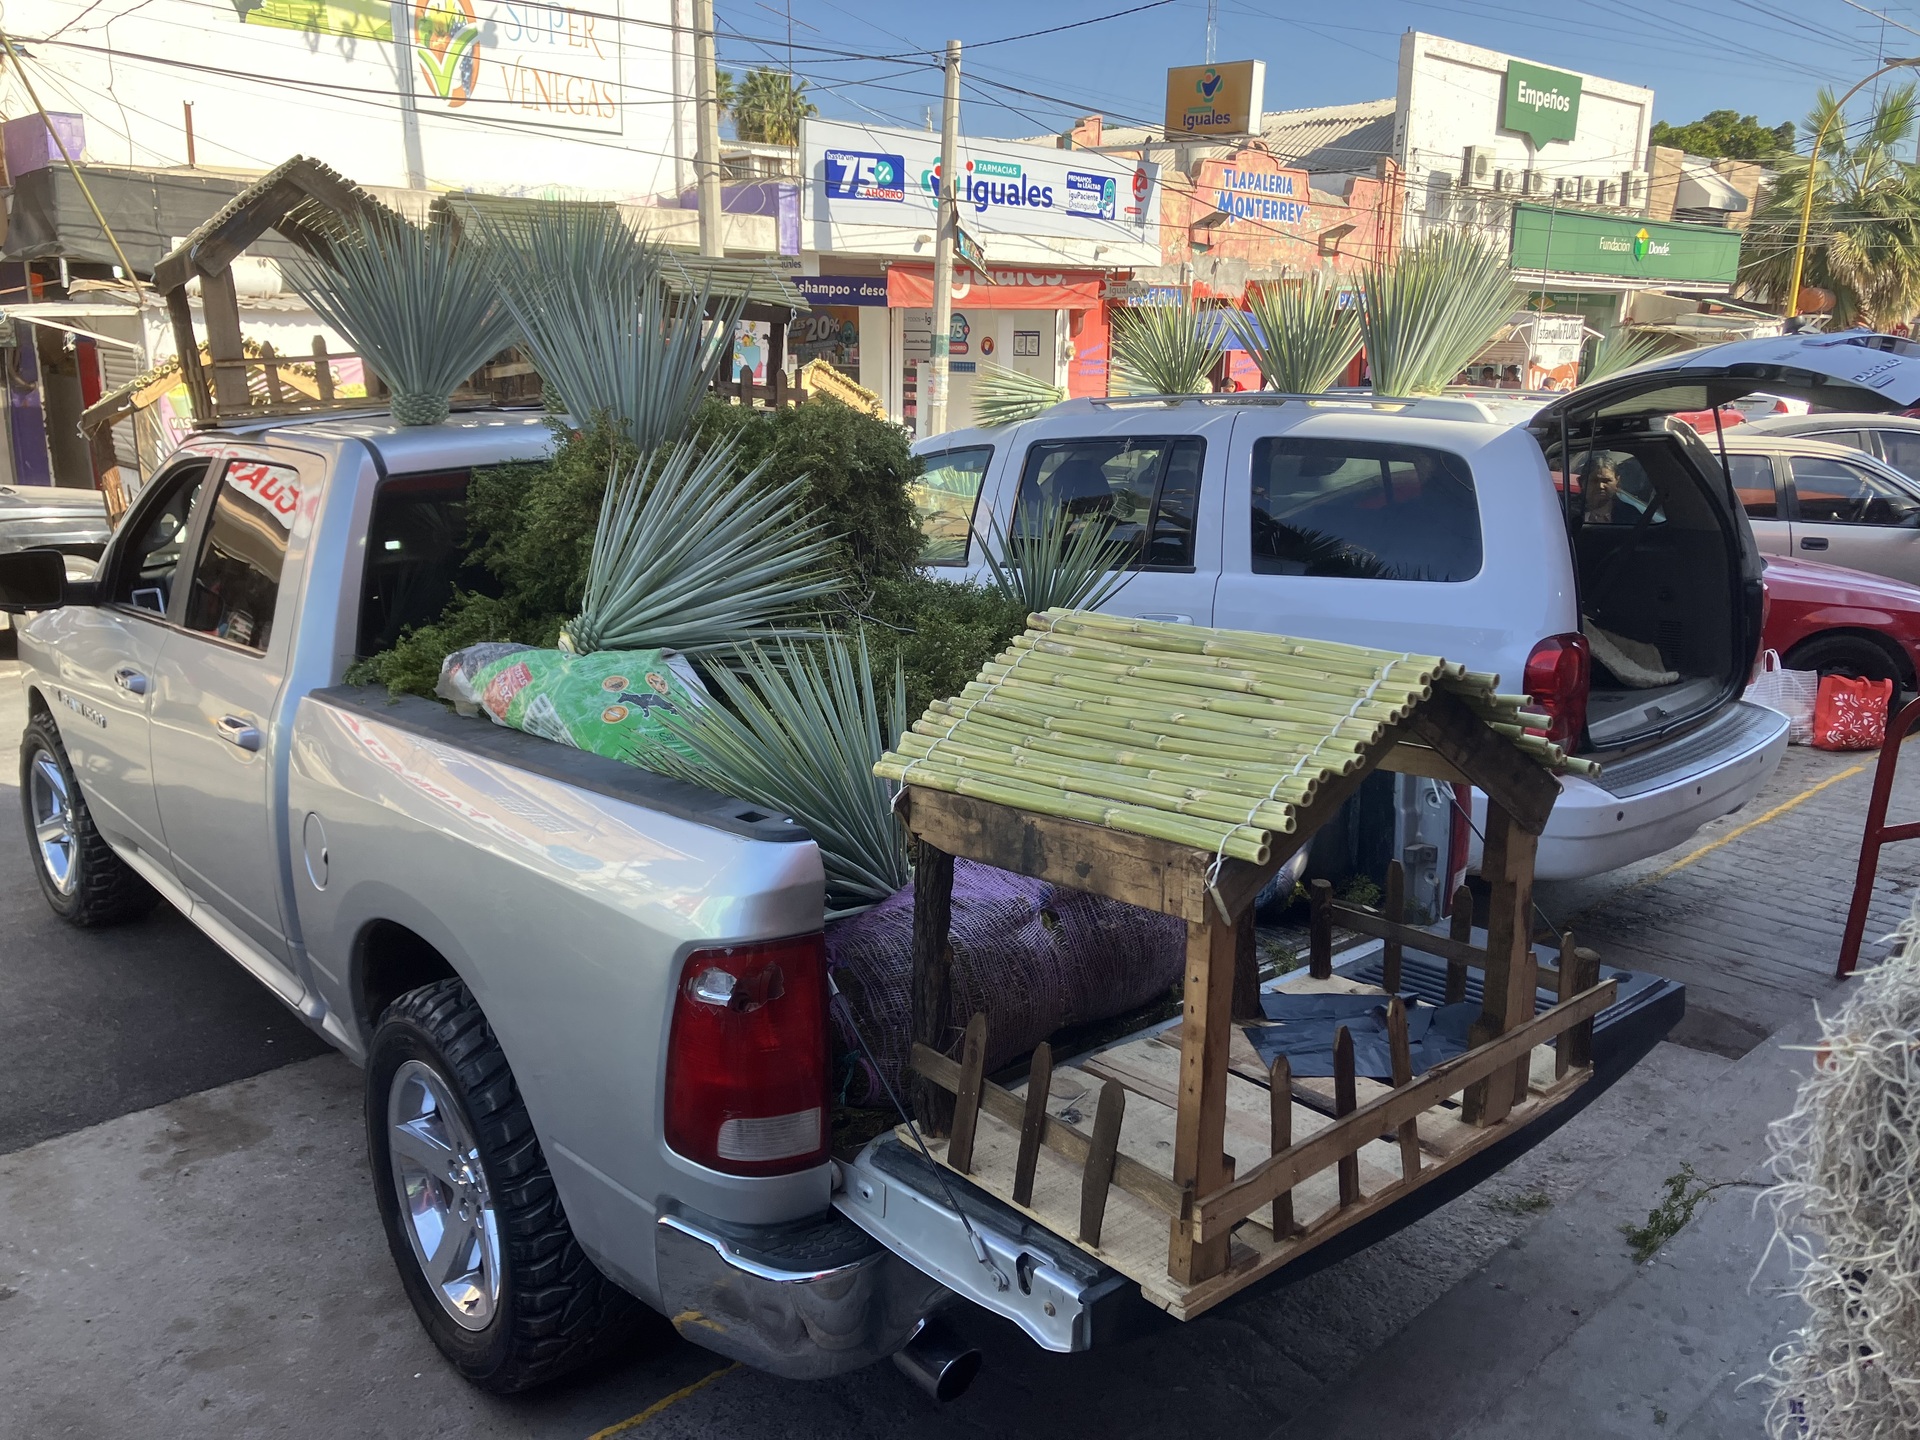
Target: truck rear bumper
[[803, 1301]]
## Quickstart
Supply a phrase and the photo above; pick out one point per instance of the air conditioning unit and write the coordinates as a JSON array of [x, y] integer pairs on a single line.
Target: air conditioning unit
[[1586, 188], [1633, 188], [1535, 183], [1565, 187], [1502, 181], [1476, 167], [1603, 192]]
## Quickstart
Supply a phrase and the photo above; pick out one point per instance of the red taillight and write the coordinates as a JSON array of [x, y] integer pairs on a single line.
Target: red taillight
[[1556, 682], [747, 1061]]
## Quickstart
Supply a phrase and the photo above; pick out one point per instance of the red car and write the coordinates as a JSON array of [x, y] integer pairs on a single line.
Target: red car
[[1837, 621]]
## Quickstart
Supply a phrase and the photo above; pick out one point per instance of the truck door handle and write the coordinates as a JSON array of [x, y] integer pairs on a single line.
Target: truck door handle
[[131, 680], [1813, 542], [236, 731]]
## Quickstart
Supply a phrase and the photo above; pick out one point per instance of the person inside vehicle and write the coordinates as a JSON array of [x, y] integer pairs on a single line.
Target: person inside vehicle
[[1601, 492]]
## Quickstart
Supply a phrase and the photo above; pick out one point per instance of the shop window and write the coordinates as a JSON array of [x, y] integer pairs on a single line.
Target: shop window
[[1349, 509], [943, 499], [1143, 491]]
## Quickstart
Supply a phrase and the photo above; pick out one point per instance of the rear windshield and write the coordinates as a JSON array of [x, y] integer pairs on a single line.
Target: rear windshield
[[416, 555], [1355, 510], [1143, 490]]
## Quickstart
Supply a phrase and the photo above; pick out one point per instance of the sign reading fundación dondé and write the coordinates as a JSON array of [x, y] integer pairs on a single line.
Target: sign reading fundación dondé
[[1539, 103], [1224, 100]]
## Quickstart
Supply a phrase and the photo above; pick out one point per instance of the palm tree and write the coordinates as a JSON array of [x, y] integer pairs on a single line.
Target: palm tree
[[1863, 242], [769, 105]]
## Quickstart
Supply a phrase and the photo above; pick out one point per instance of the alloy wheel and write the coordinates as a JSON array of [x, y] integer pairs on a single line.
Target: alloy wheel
[[53, 829], [445, 1201]]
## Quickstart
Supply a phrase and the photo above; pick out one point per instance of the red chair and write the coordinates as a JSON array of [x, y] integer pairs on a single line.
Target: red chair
[[1878, 833]]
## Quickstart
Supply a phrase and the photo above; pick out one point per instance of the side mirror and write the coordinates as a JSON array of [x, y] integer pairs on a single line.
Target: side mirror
[[35, 580]]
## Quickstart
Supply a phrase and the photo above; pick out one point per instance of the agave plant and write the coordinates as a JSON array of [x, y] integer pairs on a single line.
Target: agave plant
[[1004, 396], [605, 330], [418, 305], [1432, 311], [1053, 564], [1165, 349], [799, 732], [1299, 334], [688, 557], [1618, 349]]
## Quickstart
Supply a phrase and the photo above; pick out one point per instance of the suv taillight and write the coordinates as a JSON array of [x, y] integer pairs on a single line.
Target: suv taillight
[[747, 1060], [1556, 681]]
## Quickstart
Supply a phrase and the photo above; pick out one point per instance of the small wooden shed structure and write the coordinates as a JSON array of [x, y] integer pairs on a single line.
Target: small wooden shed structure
[[1177, 768]]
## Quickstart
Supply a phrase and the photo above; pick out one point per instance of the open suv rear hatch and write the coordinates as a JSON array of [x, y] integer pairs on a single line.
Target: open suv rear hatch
[[1669, 577]]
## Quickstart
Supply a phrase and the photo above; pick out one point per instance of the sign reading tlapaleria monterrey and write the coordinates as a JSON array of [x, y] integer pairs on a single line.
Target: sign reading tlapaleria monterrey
[[1539, 103]]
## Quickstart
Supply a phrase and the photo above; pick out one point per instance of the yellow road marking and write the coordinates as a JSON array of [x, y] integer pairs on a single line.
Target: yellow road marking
[[1754, 824], [634, 1422]]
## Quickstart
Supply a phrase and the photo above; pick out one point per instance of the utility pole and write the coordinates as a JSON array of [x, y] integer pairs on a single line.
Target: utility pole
[[947, 234], [706, 146]]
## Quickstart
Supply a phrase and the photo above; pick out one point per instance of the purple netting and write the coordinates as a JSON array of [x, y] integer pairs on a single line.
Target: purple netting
[[1034, 956]]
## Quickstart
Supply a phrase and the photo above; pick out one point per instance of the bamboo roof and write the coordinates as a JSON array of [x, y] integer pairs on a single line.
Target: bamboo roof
[[1217, 739]]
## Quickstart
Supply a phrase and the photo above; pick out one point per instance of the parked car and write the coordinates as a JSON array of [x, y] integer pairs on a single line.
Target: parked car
[[1843, 622], [1811, 497], [591, 1002], [1894, 439], [57, 517], [1437, 526]]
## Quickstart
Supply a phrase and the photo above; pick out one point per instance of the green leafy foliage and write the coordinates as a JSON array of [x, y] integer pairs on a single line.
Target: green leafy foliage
[[1064, 562], [1004, 396], [416, 304], [798, 732], [1164, 350], [1726, 134], [768, 107], [1432, 311], [1618, 350], [938, 632], [1299, 334], [856, 470]]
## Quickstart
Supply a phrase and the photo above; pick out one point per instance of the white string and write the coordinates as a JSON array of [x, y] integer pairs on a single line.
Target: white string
[[959, 720]]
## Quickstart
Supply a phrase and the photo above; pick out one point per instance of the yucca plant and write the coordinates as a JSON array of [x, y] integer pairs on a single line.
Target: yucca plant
[[798, 730], [418, 305], [605, 330], [1004, 396], [690, 557], [1054, 564], [1299, 334], [1165, 349], [1432, 311], [1618, 349]]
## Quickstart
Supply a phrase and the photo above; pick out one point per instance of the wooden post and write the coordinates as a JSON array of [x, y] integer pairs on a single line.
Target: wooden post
[[188, 349], [1280, 1137], [1562, 1058], [1395, 909], [1579, 1040], [1246, 968], [322, 368], [1507, 864], [1344, 1103], [1200, 1131], [966, 1104], [1033, 1122], [1097, 1176], [1402, 1056], [276, 392], [1320, 930], [221, 309], [931, 983], [1460, 927]]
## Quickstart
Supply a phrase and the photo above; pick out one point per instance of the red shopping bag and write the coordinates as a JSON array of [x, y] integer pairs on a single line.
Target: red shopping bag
[[1851, 714]]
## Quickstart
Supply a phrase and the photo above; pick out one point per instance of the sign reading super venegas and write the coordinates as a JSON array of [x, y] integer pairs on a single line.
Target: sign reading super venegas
[[1539, 103], [870, 175]]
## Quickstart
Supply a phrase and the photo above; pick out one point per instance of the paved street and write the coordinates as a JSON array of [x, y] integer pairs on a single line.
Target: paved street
[[188, 1245]]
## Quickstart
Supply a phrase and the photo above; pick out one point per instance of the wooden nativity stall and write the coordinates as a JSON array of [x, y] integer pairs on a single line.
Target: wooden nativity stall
[[1178, 768]]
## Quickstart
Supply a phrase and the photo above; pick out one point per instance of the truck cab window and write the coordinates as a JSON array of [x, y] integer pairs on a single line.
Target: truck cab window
[[1141, 490], [417, 555], [151, 560], [1357, 510], [236, 579], [943, 500]]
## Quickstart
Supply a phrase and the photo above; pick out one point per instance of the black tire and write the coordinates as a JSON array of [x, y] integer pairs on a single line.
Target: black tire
[[99, 887], [1857, 657], [554, 1309]]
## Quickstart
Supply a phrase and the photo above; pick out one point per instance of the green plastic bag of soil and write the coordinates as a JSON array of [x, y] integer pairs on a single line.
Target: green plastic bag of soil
[[609, 702]]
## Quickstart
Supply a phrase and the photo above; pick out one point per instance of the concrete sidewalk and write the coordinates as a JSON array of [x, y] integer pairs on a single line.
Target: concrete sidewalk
[[1563, 1335]]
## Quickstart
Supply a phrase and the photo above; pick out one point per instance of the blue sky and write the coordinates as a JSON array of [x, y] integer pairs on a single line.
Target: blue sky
[[1761, 57]]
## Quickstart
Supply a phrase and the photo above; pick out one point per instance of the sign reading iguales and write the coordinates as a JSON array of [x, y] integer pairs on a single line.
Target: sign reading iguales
[[1571, 242], [1539, 103]]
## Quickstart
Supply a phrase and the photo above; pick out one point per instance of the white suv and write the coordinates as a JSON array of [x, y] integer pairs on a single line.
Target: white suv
[[1626, 602]]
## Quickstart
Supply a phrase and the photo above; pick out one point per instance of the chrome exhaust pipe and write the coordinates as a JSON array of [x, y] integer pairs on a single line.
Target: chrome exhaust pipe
[[938, 1361]]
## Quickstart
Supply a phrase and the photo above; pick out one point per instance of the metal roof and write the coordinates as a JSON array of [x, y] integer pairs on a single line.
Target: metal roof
[[1322, 139]]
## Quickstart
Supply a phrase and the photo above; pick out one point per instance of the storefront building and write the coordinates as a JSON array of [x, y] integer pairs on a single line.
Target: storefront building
[[1577, 262], [1056, 228]]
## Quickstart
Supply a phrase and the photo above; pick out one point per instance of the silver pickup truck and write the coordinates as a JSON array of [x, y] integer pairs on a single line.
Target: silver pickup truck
[[591, 1002]]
